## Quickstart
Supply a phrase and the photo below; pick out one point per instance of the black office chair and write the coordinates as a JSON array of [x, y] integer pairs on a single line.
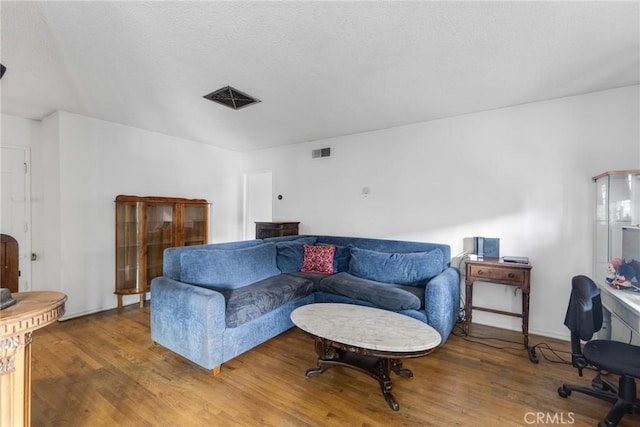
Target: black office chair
[[584, 318]]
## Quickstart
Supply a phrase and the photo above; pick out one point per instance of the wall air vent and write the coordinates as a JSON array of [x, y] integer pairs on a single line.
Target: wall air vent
[[231, 98], [321, 152]]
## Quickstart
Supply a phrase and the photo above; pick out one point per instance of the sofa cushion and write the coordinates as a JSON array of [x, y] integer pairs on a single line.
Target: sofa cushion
[[290, 253], [318, 259], [314, 277], [413, 268], [341, 257], [383, 295], [389, 246], [252, 301], [171, 257], [229, 269]]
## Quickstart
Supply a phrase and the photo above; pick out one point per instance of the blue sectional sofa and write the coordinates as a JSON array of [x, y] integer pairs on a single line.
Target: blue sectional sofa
[[217, 301]]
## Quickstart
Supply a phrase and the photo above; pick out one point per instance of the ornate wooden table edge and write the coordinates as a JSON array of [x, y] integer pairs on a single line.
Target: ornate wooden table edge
[[370, 340], [376, 364], [32, 310]]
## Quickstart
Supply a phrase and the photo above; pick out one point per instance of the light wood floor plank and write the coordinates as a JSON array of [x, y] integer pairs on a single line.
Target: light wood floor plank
[[104, 370]]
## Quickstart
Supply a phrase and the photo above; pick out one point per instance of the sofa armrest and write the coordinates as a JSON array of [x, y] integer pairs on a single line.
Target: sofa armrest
[[189, 320], [442, 301]]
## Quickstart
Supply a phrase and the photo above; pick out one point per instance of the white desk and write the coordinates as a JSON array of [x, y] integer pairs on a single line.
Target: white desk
[[624, 305]]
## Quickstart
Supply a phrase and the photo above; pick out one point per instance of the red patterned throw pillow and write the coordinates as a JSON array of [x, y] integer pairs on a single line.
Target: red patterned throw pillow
[[318, 259]]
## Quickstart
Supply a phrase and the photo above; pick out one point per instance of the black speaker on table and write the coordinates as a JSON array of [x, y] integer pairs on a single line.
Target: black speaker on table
[[487, 247]]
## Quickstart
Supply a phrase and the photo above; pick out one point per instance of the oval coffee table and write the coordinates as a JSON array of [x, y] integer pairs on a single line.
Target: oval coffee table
[[367, 339]]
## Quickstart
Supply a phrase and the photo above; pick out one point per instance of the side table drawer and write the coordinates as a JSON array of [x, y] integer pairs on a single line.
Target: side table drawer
[[501, 274]]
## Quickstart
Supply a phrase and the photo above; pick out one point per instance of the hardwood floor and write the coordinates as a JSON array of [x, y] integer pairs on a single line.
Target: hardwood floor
[[104, 370]]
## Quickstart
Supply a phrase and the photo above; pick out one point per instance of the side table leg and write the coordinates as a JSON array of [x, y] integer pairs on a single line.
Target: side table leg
[[468, 302], [525, 318]]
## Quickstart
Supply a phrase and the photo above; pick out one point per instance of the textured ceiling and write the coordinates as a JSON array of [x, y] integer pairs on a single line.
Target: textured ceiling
[[321, 69]]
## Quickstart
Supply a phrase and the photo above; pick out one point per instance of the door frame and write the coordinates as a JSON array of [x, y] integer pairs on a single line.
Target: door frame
[[24, 247], [256, 207]]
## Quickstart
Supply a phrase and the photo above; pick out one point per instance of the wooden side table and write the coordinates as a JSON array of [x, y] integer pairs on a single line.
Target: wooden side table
[[32, 310], [504, 273]]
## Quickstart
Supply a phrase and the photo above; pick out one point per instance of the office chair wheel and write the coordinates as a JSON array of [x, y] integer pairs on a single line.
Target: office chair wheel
[[563, 392]]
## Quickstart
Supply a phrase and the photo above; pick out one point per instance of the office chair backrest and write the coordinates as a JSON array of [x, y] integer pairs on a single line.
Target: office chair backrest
[[584, 314]]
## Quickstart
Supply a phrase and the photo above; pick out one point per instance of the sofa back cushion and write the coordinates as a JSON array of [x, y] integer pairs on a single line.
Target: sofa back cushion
[[229, 269], [413, 268], [171, 260], [341, 257], [290, 253], [389, 246]]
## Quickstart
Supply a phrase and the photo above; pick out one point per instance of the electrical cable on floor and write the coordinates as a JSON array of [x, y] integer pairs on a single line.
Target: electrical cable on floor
[[531, 350], [545, 346]]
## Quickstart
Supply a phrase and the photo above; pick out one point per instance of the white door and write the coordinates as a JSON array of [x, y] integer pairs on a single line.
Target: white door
[[15, 208], [258, 200]]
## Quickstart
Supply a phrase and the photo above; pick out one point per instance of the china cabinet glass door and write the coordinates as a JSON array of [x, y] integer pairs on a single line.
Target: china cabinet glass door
[[160, 235], [128, 248], [195, 224]]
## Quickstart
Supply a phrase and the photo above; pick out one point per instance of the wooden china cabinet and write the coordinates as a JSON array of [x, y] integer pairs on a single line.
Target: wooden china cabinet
[[145, 227]]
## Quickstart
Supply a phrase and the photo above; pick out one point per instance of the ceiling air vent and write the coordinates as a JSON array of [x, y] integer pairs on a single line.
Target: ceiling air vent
[[232, 98], [321, 152]]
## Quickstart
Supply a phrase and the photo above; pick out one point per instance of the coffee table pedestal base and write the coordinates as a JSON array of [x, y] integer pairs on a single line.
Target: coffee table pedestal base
[[376, 366]]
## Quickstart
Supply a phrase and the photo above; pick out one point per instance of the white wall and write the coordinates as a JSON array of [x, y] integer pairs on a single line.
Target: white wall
[[258, 204], [521, 174], [79, 166], [46, 216]]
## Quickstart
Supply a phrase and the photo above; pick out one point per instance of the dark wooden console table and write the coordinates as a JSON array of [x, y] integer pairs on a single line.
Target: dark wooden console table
[[504, 273], [276, 229]]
